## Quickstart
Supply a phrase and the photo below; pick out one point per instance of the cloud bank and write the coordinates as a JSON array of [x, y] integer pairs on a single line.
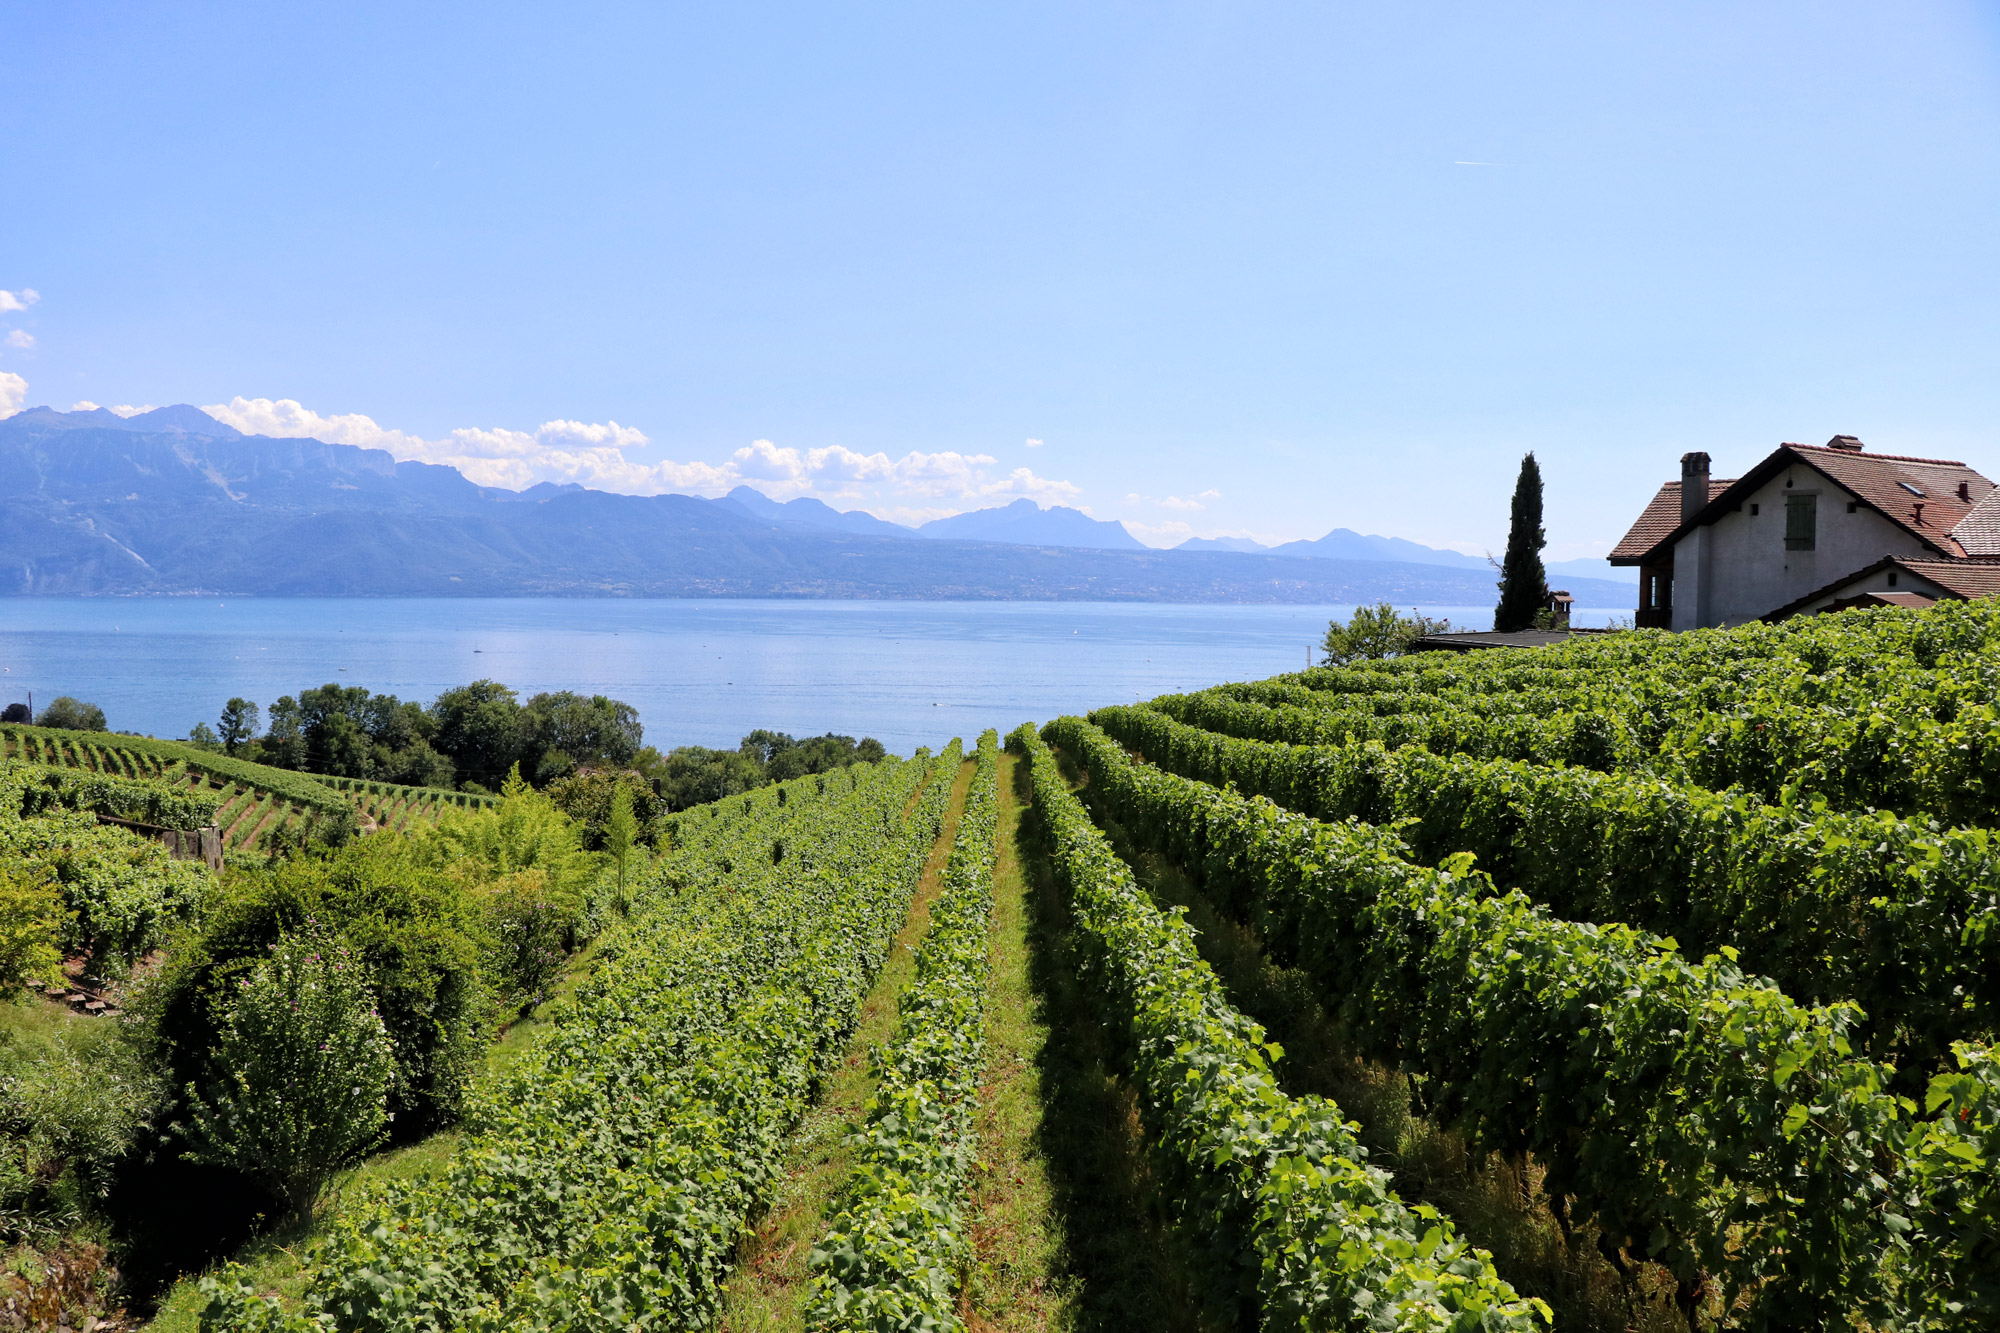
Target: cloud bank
[[599, 455], [13, 392], [21, 300], [122, 410]]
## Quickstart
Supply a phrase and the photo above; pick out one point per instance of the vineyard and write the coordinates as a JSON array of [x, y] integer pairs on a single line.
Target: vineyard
[[1700, 927], [1648, 982], [251, 801]]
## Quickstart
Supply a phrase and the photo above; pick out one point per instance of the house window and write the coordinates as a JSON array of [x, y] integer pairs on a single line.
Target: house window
[[1753, 511], [1801, 522], [1853, 505], [1892, 578]]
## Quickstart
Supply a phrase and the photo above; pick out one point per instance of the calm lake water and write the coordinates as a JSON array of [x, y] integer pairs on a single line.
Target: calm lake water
[[699, 672]]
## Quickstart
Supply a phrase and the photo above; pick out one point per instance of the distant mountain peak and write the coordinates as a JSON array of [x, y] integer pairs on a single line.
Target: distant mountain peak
[[809, 513], [180, 419], [1025, 523]]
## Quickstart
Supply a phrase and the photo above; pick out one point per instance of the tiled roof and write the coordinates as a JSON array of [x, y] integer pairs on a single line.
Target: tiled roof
[[1658, 521], [1979, 531], [1967, 578], [1883, 481], [1919, 495]]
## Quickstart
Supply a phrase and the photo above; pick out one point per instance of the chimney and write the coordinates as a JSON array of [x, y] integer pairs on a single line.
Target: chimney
[[1965, 491], [1694, 484], [1845, 442]]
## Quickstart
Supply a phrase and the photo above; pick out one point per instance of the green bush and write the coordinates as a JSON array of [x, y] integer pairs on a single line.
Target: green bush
[[74, 1096], [420, 937], [299, 1079], [587, 796], [1375, 632], [67, 714], [124, 893], [32, 920]]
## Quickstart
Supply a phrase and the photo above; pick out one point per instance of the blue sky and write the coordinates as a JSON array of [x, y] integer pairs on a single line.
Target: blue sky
[[1238, 268]]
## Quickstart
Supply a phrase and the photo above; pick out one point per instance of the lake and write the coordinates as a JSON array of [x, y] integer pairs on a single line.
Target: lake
[[699, 672]]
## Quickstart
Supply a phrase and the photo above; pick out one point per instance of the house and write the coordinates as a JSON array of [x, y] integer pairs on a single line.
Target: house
[[1812, 528]]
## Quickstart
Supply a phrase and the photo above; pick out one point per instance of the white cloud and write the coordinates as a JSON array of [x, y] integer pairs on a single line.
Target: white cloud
[[123, 409], [20, 338], [1171, 533], [597, 455], [21, 300], [13, 392], [1034, 444], [1190, 503]]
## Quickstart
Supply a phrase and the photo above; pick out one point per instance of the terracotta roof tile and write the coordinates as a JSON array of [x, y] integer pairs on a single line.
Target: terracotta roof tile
[[1967, 578], [1885, 481], [1659, 520]]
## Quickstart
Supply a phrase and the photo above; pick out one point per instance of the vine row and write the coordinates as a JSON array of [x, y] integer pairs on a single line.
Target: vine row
[[1700, 1118], [1897, 915], [607, 1183], [1298, 1225], [895, 1251]]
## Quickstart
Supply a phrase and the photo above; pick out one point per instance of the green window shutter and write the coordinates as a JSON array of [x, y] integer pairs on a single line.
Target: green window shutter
[[1801, 521]]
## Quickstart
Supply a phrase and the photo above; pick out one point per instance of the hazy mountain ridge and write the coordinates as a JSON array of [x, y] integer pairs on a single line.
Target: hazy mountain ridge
[[92, 507]]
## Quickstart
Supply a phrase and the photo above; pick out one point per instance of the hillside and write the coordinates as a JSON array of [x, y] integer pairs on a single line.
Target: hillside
[[148, 506]]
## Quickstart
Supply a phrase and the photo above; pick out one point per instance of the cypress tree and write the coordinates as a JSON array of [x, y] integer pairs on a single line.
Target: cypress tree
[[1523, 581]]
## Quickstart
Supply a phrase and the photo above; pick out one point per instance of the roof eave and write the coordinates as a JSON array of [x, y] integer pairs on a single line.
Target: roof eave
[[1792, 608]]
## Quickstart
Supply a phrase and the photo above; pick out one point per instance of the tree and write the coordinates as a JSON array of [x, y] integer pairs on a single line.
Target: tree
[[72, 715], [1523, 581], [238, 724], [586, 796], [300, 1078], [203, 737], [283, 745], [563, 731], [696, 775], [620, 831], [1377, 631], [479, 729], [418, 765]]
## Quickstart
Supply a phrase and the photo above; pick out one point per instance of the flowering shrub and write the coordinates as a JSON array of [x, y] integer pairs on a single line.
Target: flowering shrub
[[301, 1074]]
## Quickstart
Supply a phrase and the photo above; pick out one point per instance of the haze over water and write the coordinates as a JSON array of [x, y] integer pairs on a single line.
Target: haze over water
[[699, 672]]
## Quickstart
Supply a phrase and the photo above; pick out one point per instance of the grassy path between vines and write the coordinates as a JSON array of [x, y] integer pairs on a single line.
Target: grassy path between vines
[[1068, 1227], [767, 1291]]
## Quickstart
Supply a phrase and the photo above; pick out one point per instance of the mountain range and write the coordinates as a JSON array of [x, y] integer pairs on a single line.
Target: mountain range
[[172, 501]]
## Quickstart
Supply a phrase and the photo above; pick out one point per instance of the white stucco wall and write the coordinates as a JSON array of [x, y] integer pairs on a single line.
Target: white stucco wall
[[1738, 569]]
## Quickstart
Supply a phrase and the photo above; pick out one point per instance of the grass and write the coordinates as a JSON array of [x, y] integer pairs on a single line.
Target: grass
[[1090, 1228], [766, 1293], [1497, 1204], [1015, 1282]]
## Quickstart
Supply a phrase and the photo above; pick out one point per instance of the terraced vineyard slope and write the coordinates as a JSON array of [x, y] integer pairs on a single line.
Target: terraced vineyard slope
[[253, 801]]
